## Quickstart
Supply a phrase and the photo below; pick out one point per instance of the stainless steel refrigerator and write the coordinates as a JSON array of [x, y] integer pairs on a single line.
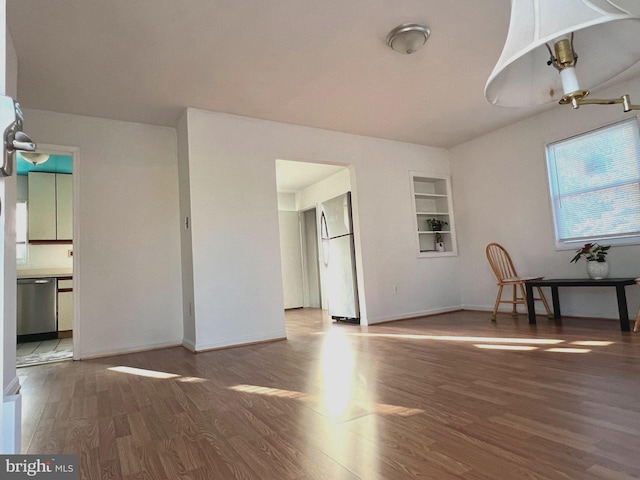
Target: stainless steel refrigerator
[[336, 231]]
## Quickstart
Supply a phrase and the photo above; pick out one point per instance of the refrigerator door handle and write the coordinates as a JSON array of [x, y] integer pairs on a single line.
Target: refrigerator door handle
[[324, 230], [324, 234]]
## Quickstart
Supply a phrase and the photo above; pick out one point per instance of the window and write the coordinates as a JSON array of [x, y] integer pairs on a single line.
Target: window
[[594, 180], [21, 232]]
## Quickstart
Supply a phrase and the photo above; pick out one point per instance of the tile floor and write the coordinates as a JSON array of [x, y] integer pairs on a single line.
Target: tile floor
[[47, 351]]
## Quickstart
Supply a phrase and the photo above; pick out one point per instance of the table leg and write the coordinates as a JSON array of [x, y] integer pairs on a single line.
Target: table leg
[[555, 299], [531, 308], [622, 309]]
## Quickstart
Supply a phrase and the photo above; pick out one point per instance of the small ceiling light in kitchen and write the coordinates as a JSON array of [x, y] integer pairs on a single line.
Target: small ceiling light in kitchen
[[408, 38], [35, 158]]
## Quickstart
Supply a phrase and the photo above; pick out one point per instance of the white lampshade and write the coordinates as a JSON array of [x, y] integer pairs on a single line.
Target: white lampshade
[[606, 40]]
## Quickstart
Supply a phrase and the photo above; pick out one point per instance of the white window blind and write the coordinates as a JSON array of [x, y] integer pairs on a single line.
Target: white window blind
[[594, 181]]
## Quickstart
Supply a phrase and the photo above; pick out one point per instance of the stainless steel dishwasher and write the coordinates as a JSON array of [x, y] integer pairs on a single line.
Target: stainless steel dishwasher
[[36, 309]]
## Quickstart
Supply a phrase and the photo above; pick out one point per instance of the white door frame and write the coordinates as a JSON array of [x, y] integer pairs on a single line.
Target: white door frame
[[11, 411]]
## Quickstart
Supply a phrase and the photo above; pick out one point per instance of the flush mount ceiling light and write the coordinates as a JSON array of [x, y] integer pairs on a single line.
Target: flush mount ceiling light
[[539, 62], [408, 38], [35, 158]]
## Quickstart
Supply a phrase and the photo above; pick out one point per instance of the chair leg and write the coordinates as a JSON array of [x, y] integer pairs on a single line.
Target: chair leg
[[495, 308], [544, 301], [636, 327], [514, 312]]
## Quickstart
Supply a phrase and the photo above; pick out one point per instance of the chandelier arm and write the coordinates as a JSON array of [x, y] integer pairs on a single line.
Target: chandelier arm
[[625, 100]]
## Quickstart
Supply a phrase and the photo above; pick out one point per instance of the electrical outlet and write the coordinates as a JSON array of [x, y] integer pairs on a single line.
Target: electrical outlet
[[70, 253]]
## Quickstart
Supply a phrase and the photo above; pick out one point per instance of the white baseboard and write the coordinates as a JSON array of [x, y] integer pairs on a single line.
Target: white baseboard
[[405, 316], [189, 345], [130, 349], [505, 309], [237, 342]]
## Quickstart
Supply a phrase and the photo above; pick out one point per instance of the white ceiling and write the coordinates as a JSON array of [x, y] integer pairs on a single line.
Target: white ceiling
[[323, 64], [295, 176]]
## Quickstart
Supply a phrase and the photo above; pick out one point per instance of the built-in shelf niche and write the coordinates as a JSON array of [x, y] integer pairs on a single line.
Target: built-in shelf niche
[[431, 196]]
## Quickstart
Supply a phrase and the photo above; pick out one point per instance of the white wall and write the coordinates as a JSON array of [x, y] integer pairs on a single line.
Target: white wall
[[330, 187], [235, 223], [287, 201], [128, 246], [11, 84], [291, 254], [501, 194], [290, 250]]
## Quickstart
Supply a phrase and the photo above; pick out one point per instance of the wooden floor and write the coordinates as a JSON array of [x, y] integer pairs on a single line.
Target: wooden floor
[[451, 396]]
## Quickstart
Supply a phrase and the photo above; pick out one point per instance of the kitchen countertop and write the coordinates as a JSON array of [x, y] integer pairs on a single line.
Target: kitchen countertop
[[44, 272]]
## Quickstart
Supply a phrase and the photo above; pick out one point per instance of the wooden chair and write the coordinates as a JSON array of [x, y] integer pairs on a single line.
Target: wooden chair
[[505, 272]]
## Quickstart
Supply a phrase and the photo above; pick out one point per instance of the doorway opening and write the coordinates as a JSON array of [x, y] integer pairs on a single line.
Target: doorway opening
[[46, 251], [302, 187]]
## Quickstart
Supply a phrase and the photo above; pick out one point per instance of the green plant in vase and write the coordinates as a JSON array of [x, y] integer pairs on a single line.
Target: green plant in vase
[[592, 252], [435, 224], [596, 257]]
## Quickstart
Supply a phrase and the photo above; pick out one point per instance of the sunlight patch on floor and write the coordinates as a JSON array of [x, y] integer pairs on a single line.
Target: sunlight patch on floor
[[272, 392], [592, 343], [142, 372], [506, 347], [380, 408], [457, 338], [338, 365], [488, 343], [568, 350]]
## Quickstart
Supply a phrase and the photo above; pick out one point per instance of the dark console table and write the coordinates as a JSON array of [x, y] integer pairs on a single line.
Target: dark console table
[[554, 283]]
